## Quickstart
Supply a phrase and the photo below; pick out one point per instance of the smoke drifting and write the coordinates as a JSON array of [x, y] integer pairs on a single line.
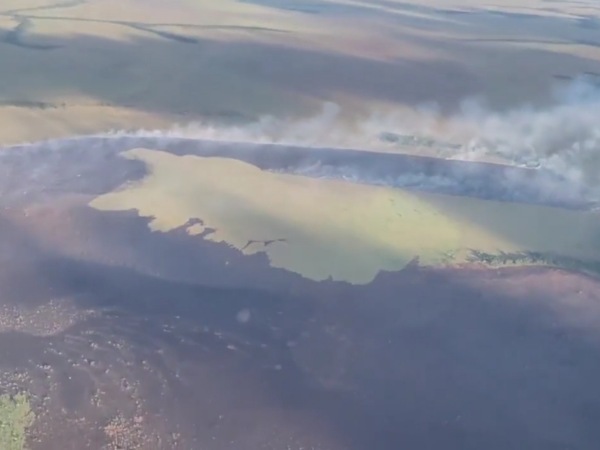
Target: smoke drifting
[[563, 138], [551, 155]]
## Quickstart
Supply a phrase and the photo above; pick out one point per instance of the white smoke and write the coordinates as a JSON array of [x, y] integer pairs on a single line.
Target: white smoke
[[325, 129], [563, 137]]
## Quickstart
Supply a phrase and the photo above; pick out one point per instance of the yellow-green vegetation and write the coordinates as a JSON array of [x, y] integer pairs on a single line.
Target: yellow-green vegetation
[[319, 228], [15, 418], [331, 228], [558, 231]]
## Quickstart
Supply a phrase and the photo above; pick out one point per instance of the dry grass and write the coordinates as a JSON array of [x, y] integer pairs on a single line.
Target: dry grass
[[106, 74], [358, 55]]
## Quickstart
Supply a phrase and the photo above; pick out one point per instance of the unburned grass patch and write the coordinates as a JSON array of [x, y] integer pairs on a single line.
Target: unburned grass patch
[[15, 418]]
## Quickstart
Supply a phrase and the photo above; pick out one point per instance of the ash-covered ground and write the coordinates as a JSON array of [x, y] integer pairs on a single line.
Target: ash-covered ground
[[128, 338], [82, 157]]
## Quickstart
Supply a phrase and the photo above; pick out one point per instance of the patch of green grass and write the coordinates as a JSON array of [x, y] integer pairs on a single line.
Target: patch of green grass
[[315, 227], [15, 417], [347, 232]]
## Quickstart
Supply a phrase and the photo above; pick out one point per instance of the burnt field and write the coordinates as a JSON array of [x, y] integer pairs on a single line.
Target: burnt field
[[81, 157], [239, 355], [164, 291], [127, 338]]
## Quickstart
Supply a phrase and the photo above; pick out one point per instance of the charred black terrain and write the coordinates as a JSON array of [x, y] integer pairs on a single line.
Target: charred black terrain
[[127, 338]]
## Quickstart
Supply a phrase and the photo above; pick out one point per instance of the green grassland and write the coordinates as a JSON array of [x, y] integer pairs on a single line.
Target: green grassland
[[15, 418], [335, 229]]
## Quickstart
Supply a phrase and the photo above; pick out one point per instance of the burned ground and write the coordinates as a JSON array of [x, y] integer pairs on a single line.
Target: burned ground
[[183, 343]]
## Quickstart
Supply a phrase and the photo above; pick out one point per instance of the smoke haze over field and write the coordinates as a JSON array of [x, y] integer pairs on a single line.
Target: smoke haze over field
[[563, 138]]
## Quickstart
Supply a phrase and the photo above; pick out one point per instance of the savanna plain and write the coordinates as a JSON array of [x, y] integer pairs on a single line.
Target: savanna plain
[[299, 224]]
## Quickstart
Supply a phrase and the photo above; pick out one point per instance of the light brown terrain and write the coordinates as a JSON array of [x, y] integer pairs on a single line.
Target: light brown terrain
[[87, 66]]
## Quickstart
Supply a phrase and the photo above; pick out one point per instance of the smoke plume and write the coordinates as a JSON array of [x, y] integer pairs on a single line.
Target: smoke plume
[[563, 138]]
